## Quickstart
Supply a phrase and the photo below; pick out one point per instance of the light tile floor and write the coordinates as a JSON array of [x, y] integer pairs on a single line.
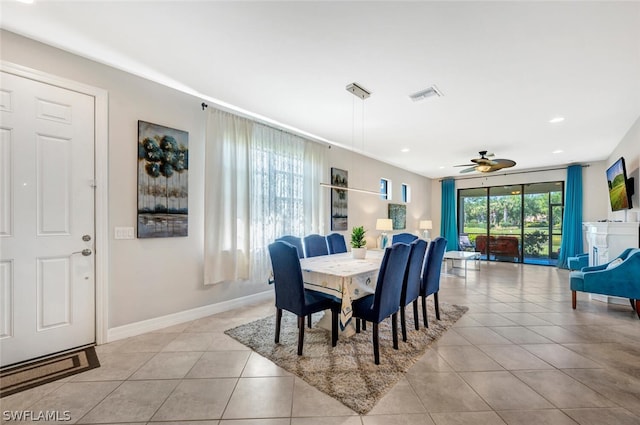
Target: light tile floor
[[519, 356]]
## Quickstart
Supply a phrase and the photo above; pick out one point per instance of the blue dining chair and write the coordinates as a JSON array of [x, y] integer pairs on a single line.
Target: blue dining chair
[[291, 295], [336, 243], [403, 238], [385, 301], [431, 276], [295, 241], [411, 284], [315, 245]]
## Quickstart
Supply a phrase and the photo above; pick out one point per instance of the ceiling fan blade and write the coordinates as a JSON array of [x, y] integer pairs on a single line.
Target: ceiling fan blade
[[500, 164], [465, 165], [468, 170], [482, 161]]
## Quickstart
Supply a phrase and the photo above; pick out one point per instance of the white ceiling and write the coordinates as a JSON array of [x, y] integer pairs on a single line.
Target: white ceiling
[[505, 68]]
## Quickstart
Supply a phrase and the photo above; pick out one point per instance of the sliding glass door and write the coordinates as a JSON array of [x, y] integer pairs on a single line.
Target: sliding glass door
[[505, 223], [515, 223], [543, 222]]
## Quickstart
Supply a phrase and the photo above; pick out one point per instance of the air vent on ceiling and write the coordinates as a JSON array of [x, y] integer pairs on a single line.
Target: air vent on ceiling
[[423, 94]]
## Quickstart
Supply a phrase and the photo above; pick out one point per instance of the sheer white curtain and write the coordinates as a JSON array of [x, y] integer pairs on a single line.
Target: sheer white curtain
[[261, 183]]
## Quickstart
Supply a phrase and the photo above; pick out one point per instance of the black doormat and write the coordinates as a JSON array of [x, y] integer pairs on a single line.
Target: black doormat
[[25, 376]]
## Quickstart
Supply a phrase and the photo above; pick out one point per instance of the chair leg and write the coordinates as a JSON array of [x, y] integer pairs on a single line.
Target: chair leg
[[437, 304], [364, 325], [376, 348], [416, 322], [573, 299], [334, 328], [394, 329], [633, 303], [357, 325], [309, 321], [403, 324], [278, 322], [425, 320], [300, 334], [638, 308]]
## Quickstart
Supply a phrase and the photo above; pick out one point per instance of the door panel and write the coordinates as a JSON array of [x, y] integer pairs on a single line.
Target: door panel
[[47, 158]]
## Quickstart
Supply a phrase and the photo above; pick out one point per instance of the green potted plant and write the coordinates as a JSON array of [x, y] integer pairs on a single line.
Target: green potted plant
[[358, 242]]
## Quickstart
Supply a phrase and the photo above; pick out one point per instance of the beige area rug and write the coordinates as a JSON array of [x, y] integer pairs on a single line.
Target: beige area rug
[[25, 376], [347, 372]]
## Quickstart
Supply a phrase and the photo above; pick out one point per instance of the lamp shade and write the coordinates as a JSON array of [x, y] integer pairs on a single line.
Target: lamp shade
[[384, 224], [425, 225]]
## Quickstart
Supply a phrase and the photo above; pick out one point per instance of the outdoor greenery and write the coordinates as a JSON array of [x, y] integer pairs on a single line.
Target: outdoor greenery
[[505, 211]]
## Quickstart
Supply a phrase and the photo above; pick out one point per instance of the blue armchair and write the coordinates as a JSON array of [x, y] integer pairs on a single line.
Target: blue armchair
[[578, 262], [618, 278]]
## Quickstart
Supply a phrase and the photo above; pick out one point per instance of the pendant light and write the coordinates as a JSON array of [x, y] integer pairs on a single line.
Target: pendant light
[[360, 93]]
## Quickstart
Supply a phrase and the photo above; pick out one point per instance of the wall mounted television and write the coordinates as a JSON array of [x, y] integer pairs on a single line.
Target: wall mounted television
[[619, 186]]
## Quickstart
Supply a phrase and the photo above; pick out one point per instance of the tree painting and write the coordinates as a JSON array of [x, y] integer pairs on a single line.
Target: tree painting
[[163, 163]]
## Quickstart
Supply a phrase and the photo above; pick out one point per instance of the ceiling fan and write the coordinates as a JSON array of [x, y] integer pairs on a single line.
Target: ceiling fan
[[486, 165]]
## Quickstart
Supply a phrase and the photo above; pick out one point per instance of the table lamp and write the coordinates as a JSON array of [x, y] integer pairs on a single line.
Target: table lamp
[[384, 224], [425, 226]]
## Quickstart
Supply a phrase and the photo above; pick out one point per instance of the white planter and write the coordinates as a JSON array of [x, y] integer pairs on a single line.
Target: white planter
[[359, 253]]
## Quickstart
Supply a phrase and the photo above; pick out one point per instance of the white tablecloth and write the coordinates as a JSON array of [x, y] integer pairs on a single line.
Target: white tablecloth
[[342, 277]]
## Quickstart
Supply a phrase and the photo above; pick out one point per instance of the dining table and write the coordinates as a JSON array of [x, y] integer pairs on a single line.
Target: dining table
[[342, 277]]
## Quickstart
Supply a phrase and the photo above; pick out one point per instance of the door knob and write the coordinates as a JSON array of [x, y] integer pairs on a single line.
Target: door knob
[[85, 252]]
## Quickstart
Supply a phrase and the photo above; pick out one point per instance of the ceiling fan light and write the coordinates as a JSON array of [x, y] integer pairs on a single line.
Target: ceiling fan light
[[483, 168]]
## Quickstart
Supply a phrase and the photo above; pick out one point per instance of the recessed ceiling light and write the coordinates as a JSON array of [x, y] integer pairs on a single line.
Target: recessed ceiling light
[[404, 150], [555, 120], [558, 151], [441, 167]]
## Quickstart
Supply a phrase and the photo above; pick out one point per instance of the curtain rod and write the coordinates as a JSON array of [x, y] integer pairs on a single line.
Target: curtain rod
[[275, 127], [516, 172]]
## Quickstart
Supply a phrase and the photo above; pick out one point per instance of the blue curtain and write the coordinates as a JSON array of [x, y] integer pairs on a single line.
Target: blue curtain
[[572, 220], [449, 222]]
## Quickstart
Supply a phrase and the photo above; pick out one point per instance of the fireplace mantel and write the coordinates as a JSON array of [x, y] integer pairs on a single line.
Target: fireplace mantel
[[606, 240]]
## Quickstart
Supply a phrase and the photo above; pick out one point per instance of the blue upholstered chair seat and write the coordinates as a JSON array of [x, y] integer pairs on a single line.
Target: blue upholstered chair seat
[[292, 296], [363, 308], [618, 278], [385, 301], [314, 302]]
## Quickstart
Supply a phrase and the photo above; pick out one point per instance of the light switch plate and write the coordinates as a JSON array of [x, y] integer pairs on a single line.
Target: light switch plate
[[124, 233]]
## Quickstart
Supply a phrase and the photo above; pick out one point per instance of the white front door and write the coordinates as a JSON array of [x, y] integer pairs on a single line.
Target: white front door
[[47, 273]]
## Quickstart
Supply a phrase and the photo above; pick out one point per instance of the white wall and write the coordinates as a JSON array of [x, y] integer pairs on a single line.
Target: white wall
[[629, 148], [364, 209], [151, 278]]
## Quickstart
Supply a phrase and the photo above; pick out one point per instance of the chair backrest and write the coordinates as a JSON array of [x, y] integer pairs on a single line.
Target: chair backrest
[[336, 243], [411, 284], [390, 278], [287, 277], [432, 266], [464, 242], [295, 241], [403, 238], [315, 245]]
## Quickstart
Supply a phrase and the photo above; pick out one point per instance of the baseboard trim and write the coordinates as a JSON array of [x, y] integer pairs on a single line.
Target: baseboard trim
[[150, 325]]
